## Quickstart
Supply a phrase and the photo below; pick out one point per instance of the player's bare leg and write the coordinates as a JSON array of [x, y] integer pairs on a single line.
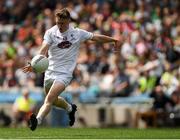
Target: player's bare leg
[[61, 103], [52, 95], [51, 99], [71, 109]]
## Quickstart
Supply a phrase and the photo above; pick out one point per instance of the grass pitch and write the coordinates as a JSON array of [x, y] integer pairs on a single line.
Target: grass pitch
[[89, 133]]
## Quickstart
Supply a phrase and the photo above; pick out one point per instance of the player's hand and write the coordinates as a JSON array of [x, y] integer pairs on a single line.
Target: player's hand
[[27, 68], [118, 44]]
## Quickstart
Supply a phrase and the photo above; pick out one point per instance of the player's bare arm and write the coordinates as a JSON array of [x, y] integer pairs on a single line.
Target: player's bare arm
[[103, 38], [107, 39], [43, 51]]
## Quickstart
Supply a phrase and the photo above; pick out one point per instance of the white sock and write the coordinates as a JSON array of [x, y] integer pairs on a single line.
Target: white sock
[[39, 119], [69, 108]]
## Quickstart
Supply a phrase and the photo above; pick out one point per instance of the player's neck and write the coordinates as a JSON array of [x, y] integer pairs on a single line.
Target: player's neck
[[64, 30]]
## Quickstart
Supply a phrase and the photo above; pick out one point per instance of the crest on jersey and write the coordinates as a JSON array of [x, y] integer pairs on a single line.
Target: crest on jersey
[[64, 44]]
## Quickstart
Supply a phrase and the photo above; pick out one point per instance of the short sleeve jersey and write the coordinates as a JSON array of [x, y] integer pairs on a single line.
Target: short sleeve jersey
[[64, 48]]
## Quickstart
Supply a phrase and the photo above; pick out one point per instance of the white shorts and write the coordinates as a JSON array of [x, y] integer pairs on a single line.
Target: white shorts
[[50, 77]]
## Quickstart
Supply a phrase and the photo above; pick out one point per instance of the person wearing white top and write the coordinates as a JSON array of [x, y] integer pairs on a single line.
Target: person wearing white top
[[61, 45]]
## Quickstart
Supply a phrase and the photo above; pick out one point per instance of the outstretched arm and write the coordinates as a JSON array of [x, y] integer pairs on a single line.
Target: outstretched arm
[[107, 39], [103, 38]]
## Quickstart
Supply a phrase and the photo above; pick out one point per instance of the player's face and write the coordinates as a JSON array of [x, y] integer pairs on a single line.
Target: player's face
[[63, 24]]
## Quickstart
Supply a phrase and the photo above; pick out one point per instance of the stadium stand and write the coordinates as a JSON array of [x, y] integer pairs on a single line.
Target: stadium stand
[[147, 67]]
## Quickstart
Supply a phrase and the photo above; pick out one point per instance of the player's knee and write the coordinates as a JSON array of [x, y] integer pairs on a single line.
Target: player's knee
[[55, 102], [48, 101]]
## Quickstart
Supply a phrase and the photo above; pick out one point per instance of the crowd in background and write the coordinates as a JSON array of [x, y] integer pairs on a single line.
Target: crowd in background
[[148, 62]]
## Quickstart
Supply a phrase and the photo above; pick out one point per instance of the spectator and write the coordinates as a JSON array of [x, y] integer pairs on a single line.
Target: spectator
[[151, 48], [22, 108], [121, 83], [161, 101], [1, 79], [10, 79]]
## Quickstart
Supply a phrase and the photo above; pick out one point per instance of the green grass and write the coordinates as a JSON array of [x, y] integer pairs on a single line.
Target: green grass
[[89, 133]]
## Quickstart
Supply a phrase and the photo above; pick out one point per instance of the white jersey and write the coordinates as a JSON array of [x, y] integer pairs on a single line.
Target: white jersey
[[63, 49]]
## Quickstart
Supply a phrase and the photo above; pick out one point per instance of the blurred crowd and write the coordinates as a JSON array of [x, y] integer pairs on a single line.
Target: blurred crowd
[[148, 62]]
